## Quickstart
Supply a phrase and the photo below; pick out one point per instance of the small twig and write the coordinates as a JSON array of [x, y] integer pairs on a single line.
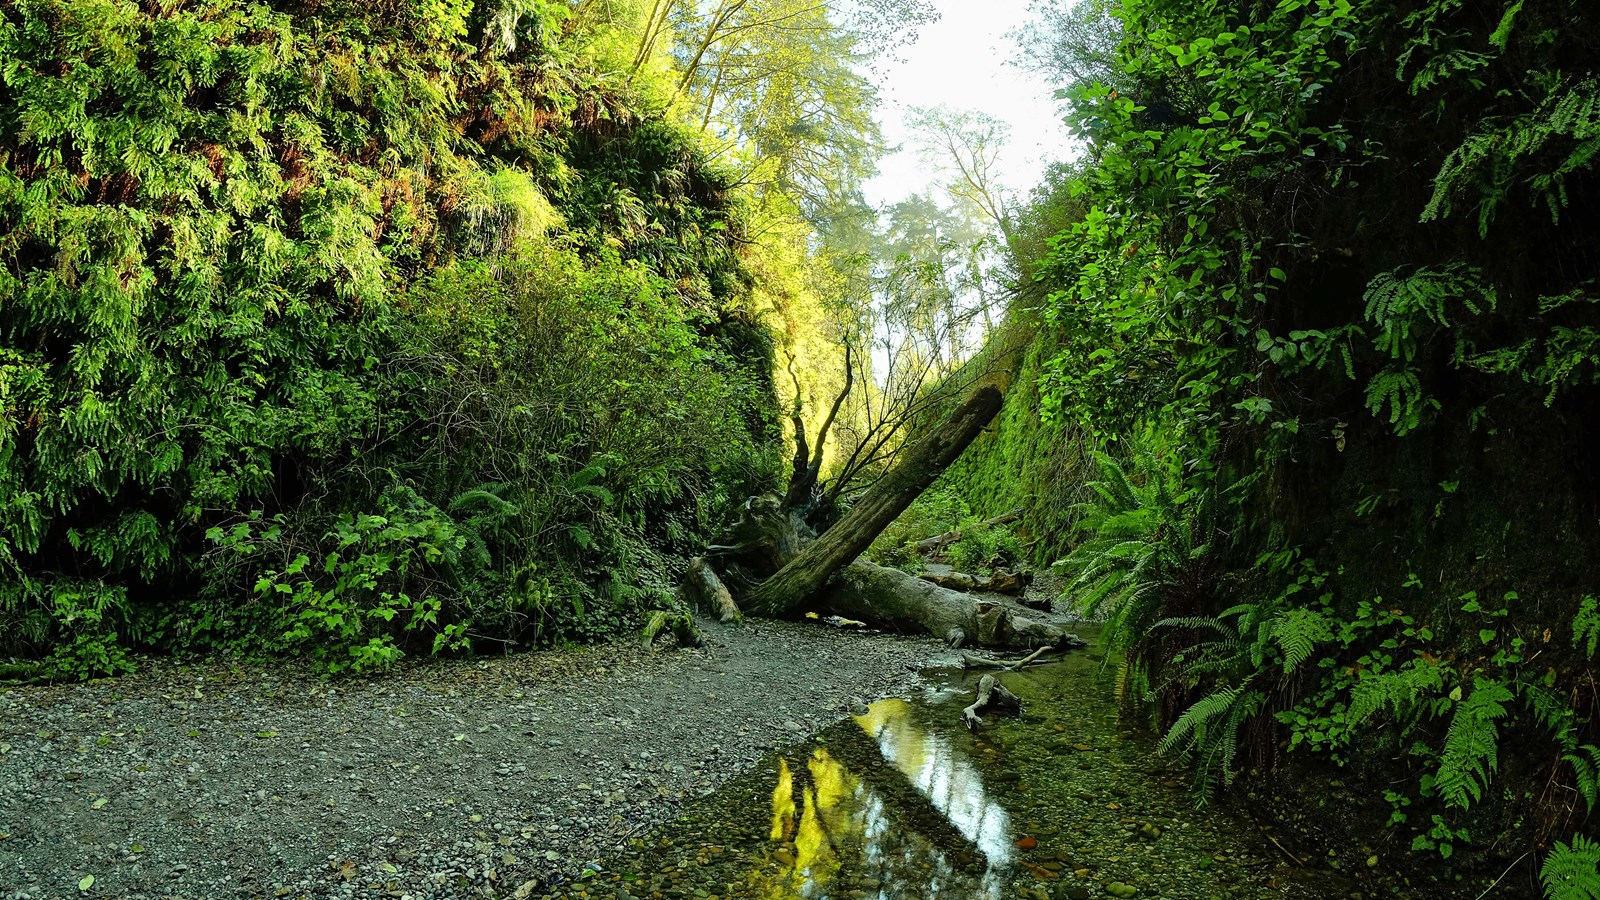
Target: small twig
[[1503, 875], [1292, 857], [1025, 660]]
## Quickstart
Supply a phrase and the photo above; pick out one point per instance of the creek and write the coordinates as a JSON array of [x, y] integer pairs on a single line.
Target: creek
[[902, 802]]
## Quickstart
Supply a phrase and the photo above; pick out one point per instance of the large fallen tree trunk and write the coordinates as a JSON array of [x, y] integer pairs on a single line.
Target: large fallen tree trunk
[[904, 602], [805, 574], [1001, 582]]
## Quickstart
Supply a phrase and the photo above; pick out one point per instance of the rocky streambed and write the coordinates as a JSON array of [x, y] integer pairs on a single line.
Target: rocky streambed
[[901, 801], [446, 779]]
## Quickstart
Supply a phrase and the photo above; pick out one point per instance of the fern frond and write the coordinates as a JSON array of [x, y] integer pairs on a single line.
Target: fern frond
[[1399, 689], [1212, 706], [1471, 746], [1585, 762], [1572, 872], [1586, 625], [1297, 632]]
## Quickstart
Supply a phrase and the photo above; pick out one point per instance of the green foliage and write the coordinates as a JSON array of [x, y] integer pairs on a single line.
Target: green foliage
[[1207, 733], [1317, 262], [984, 548], [1471, 745], [1146, 550], [936, 511], [1586, 626], [1023, 460], [1572, 872], [404, 306]]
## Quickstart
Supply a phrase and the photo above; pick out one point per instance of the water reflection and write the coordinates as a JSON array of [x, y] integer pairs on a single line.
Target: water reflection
[[921, 826]]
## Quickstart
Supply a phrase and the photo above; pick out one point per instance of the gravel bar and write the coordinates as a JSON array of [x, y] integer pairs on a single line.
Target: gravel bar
[[472, 778]]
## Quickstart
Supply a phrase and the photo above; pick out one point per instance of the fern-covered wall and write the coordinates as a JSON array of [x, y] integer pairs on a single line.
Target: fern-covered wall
[[1328, 300], [351, 329], [1026, 460]]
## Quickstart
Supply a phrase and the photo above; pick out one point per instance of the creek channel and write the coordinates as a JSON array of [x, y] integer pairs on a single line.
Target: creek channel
[[1064, 802]]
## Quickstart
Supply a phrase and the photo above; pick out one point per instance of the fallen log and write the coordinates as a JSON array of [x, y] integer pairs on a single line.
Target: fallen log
[[992, 697], [1001, 582], [923, 462], [953, 581], [703, 590], [901, 602], [1005, 665], [678, 624]]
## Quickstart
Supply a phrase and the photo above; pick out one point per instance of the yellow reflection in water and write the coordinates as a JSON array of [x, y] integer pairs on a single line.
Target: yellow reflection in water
[[821, 816], [826, 822], [783, 804], [944, 775]]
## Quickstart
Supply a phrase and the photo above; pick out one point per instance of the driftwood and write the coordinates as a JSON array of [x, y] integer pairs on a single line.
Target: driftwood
[[992, 697], [706, 592], [903, 602], [922, 462], [1001, 582], [940, 541], [1005, 665]]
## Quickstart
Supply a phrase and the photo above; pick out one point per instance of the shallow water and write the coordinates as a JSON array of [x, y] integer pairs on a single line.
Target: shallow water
[[904, 802]]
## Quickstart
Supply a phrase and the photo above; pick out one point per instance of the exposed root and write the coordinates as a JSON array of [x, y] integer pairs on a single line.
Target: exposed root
[[679, 624], [1004, 665], [992, 697]]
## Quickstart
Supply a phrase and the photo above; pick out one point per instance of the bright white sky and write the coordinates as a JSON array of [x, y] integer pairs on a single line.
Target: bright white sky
[[964, 61]]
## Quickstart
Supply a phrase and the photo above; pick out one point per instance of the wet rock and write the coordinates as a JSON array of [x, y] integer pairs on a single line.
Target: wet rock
[[1120, 890]]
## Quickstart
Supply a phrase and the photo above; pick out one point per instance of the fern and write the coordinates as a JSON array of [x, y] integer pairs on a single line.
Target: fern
[[1399, 690], [1572, 872], [1401, 306], [1208, 733], [1471, 747], [1297, 633], [1586, 625], [1494, 159], [583, 484], [1585, 762], [1143, 544]]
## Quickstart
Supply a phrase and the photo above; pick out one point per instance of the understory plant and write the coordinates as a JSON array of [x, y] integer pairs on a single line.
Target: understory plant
[[352, 330], [1320, 266]]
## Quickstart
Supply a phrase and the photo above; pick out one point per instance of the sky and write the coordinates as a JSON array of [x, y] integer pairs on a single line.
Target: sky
[[964, 61]]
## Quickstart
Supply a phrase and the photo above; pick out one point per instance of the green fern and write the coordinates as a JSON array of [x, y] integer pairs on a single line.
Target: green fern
[[1471, 747], [1208, 734], [1143, 544], [1297, 632], [1402, 306], [1572, 872], [1585, 762], [1399, 690], [1586, 625], [1497, 158], [583, 484]]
